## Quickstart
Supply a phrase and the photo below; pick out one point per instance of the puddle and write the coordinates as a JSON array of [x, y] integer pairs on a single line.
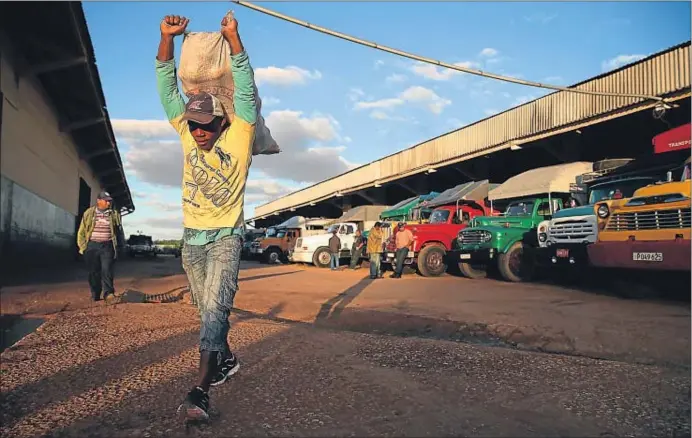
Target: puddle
[[13, 328]]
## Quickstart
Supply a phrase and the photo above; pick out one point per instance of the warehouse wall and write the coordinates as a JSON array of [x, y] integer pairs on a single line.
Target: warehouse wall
[[40, 175]]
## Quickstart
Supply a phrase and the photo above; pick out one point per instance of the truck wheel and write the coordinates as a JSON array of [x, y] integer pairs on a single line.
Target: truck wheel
[[515, 265], [272, 256], [473, 271], [322, 258], [431, 261]]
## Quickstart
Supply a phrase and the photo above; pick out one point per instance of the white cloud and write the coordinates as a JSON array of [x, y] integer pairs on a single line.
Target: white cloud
[[395, 78], [127, 128], [163, 226], [435, 73], [488, 52], [306, 154], [540, 17], [416, 94], [378, 63], [290, 75], [381, 115], [619, 61], [270, 101], [355, 93]]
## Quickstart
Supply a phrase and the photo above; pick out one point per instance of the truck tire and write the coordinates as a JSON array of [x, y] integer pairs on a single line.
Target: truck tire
[[431, 261], [272, 256], [516, 265], [470, 271], [322, 257]]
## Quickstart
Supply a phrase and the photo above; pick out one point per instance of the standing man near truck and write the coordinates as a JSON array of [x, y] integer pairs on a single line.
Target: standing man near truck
[[374, 248], [356, 250], [335, 250], [217, 156], [404, 244], [100, 233]]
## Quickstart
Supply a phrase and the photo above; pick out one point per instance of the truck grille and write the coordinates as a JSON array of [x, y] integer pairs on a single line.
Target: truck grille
[[473, 237], [650, 220], [577, 229]]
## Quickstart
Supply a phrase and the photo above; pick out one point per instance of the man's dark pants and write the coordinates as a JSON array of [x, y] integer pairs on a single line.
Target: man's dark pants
[[356, 254], [99, 257], [400, 256]]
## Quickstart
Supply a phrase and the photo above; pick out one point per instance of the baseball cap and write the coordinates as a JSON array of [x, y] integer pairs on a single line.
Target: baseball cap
[[105, 196], [202, 108]]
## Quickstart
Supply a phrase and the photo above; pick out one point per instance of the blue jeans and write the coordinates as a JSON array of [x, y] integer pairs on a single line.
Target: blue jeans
[[400, 256], [212, 271], [334, 262], [375, 258]]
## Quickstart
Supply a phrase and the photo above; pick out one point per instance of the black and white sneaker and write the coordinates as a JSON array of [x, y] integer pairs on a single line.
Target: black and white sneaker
[[195, 407], [227, 368]]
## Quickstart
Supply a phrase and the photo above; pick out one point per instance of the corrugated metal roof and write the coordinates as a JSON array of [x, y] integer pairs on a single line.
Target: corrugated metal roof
[[663, 74], [548, 179]]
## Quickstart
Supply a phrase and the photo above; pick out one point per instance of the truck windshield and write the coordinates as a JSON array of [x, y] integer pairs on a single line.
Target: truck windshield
[[686, 173], [139, 240], [281, 234], [271, 232], [617, 189], [439, 217], [520, 208], [333, 228]]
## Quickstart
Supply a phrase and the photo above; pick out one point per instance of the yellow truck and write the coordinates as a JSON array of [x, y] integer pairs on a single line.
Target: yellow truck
[[649, 231]]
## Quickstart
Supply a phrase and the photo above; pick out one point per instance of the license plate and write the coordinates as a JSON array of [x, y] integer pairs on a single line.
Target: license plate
[[562, 253], [464, 256], [390, 254], [647, 256]]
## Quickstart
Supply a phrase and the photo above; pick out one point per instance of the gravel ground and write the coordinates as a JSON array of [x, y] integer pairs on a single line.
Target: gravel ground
[[339, 358]]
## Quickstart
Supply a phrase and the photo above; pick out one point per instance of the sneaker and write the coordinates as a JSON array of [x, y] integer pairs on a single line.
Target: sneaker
[[227, 368], [196, 406]]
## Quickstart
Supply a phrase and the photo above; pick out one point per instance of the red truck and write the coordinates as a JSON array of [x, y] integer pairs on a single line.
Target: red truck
[[453, 211]]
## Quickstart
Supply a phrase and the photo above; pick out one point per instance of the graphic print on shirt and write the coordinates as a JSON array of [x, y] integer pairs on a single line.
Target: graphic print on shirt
[[202, 178]]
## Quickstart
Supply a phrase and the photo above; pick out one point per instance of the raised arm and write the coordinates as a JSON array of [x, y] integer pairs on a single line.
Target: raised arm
[[166, 81], [244, 97]]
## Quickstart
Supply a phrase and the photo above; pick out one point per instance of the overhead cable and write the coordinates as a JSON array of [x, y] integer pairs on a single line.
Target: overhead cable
[[440, 63]]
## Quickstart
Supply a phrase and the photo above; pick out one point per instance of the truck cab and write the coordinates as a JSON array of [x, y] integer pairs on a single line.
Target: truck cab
[[563, 239], [277, 245], [140, 244], [508, 242], [650, 230], [452, 211], [314, 249]]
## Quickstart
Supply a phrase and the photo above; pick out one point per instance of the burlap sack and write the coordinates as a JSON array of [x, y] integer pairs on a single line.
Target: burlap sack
[[205, 65]]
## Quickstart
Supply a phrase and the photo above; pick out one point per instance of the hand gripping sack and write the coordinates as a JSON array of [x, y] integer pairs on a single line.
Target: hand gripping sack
[[205, 65]]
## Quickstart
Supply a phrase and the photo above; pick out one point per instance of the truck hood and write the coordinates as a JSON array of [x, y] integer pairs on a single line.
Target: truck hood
[[584, 210], [500, 222]]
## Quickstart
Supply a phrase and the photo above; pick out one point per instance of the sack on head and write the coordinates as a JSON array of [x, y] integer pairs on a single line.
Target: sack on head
[[205, 65]]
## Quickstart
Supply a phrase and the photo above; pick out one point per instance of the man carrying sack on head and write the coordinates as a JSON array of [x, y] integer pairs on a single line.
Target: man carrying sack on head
[[100, 233], [217, 155]]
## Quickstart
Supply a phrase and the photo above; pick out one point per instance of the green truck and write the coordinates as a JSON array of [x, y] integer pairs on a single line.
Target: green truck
[[404, 210], [507, 242]]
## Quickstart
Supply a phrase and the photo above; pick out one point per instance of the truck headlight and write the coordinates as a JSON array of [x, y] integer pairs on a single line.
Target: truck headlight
[[542, 237], [487, 236], [602, 211]]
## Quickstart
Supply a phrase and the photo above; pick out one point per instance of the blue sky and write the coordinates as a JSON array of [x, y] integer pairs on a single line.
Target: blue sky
[[333, 105]]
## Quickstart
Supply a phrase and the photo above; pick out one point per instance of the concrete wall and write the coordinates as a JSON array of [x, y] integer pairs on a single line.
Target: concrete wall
[[40, 170]]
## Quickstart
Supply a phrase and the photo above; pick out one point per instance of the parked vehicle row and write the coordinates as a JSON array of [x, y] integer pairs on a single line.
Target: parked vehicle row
[[625, 213]]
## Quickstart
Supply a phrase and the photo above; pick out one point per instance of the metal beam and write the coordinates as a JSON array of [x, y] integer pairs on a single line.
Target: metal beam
[[82, 124], [108, 172], [368, 198], [57, 65], [97, 154], [406, 187]]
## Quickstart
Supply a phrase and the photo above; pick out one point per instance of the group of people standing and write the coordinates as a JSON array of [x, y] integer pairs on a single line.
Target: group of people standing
[[374, 245]]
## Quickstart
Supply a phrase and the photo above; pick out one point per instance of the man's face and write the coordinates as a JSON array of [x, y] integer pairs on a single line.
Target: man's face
[[206, 135], [103, 204], [401, 227]]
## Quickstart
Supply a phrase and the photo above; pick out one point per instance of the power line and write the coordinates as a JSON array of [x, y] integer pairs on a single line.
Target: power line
[[439, 63]]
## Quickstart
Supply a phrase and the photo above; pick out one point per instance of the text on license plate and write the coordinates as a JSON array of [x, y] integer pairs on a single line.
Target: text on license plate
[[464, 256], [647, 256], [562, 252]]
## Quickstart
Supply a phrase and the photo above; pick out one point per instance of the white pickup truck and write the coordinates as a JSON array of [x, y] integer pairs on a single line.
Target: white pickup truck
[[315, 249]]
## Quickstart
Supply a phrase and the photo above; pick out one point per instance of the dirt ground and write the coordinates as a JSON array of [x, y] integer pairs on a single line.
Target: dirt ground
[[336, 354]]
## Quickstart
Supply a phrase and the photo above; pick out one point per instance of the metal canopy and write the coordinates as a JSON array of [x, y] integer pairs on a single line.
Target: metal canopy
[[549, 179]]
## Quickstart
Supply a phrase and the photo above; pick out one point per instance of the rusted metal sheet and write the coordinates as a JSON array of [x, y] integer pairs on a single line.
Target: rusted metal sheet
[[663, 74]]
